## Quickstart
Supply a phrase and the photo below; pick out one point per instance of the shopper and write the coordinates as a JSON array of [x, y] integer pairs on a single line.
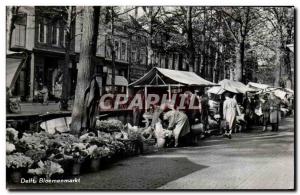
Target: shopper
[[230, 109]]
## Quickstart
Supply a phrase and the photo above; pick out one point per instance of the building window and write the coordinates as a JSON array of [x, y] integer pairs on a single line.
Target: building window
[[133, 54], [108, 48], [18, 36], [19, 32], [123, 51], [55, 35], [117, 50], [143, 56], [42, 32]]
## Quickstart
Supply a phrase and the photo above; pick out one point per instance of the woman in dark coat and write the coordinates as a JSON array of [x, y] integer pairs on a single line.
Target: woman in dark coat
[[266, 111], [274, 112]]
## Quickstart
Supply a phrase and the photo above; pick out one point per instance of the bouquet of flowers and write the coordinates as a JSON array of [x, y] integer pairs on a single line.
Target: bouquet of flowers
[[35, 140], [10, 148], [119, 146], [78, 152], [111, 125], [65, 139], [47, 168], [36, 155], [18, 160], [11, 135], [99, 152]]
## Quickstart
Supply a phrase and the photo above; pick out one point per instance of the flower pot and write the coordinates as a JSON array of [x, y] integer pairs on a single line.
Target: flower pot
[[16, 176], [76, 168], [95, 164]]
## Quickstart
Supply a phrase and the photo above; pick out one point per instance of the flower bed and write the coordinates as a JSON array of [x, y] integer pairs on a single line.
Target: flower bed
[[45, 155]]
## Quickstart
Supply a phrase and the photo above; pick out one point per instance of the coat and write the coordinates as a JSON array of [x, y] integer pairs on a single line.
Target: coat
[[178, 121], [229, 111], [274, 114]]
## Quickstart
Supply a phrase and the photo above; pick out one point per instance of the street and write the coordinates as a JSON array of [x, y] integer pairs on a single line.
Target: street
[[255, 160]]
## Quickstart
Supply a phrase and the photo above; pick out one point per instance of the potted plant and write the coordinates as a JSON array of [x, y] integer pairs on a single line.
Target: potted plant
[[79, 153], [17, 164], [95, 156], [46, 168]]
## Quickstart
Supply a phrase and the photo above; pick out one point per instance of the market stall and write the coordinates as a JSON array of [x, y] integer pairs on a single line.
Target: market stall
[[169, 81]]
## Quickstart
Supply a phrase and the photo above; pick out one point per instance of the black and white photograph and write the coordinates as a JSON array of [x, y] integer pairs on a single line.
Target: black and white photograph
[[150, 97]]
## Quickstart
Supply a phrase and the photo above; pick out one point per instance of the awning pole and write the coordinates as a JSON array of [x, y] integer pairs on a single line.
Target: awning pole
[[146, 98], [169, 88]]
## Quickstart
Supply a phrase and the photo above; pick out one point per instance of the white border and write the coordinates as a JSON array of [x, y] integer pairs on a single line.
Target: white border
[[113, 2]]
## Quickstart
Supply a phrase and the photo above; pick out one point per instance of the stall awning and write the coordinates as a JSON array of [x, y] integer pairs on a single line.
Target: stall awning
[[235, 86], [13, 68], [164, 77], [258, 85], [119, 81], [218, 90]]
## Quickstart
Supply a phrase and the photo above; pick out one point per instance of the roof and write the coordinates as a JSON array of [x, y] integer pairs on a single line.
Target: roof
[[164, 77], [234, 86]]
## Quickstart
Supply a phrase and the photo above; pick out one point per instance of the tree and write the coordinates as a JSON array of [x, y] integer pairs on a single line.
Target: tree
[[148, 24], [281, 19], [66, 74], [240, 21], [86, 64]]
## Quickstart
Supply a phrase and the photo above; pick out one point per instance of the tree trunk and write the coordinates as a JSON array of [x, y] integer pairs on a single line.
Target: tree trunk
[[190, 42], [84, 69], [278, 68], [113, 52], [215, 70], [66, 74], [150, 52], [238, 63]]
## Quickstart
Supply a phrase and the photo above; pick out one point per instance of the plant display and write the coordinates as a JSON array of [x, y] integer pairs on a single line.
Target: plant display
[[36, 140], [47, 168], [11, 135], [111, 125], [100, 152], [10, 148], [45, 153], [78, 152], [36, 155], [18, 160]]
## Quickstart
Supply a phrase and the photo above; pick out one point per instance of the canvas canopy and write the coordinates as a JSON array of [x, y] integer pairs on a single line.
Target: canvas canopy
[[13, 68], [258, 85], [234, 86], [218, 90], [165, 77]]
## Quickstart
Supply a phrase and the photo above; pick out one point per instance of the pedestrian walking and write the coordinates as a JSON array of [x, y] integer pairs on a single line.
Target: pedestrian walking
[[204, 112], [274, 112], [266, 111], [230, 109]]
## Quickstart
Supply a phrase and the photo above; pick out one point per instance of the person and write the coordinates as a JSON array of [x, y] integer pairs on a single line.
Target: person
[[178, 123], [204, 109], [266, 111], [148, 115], [274, 107], [45, 94], [230, 108]]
